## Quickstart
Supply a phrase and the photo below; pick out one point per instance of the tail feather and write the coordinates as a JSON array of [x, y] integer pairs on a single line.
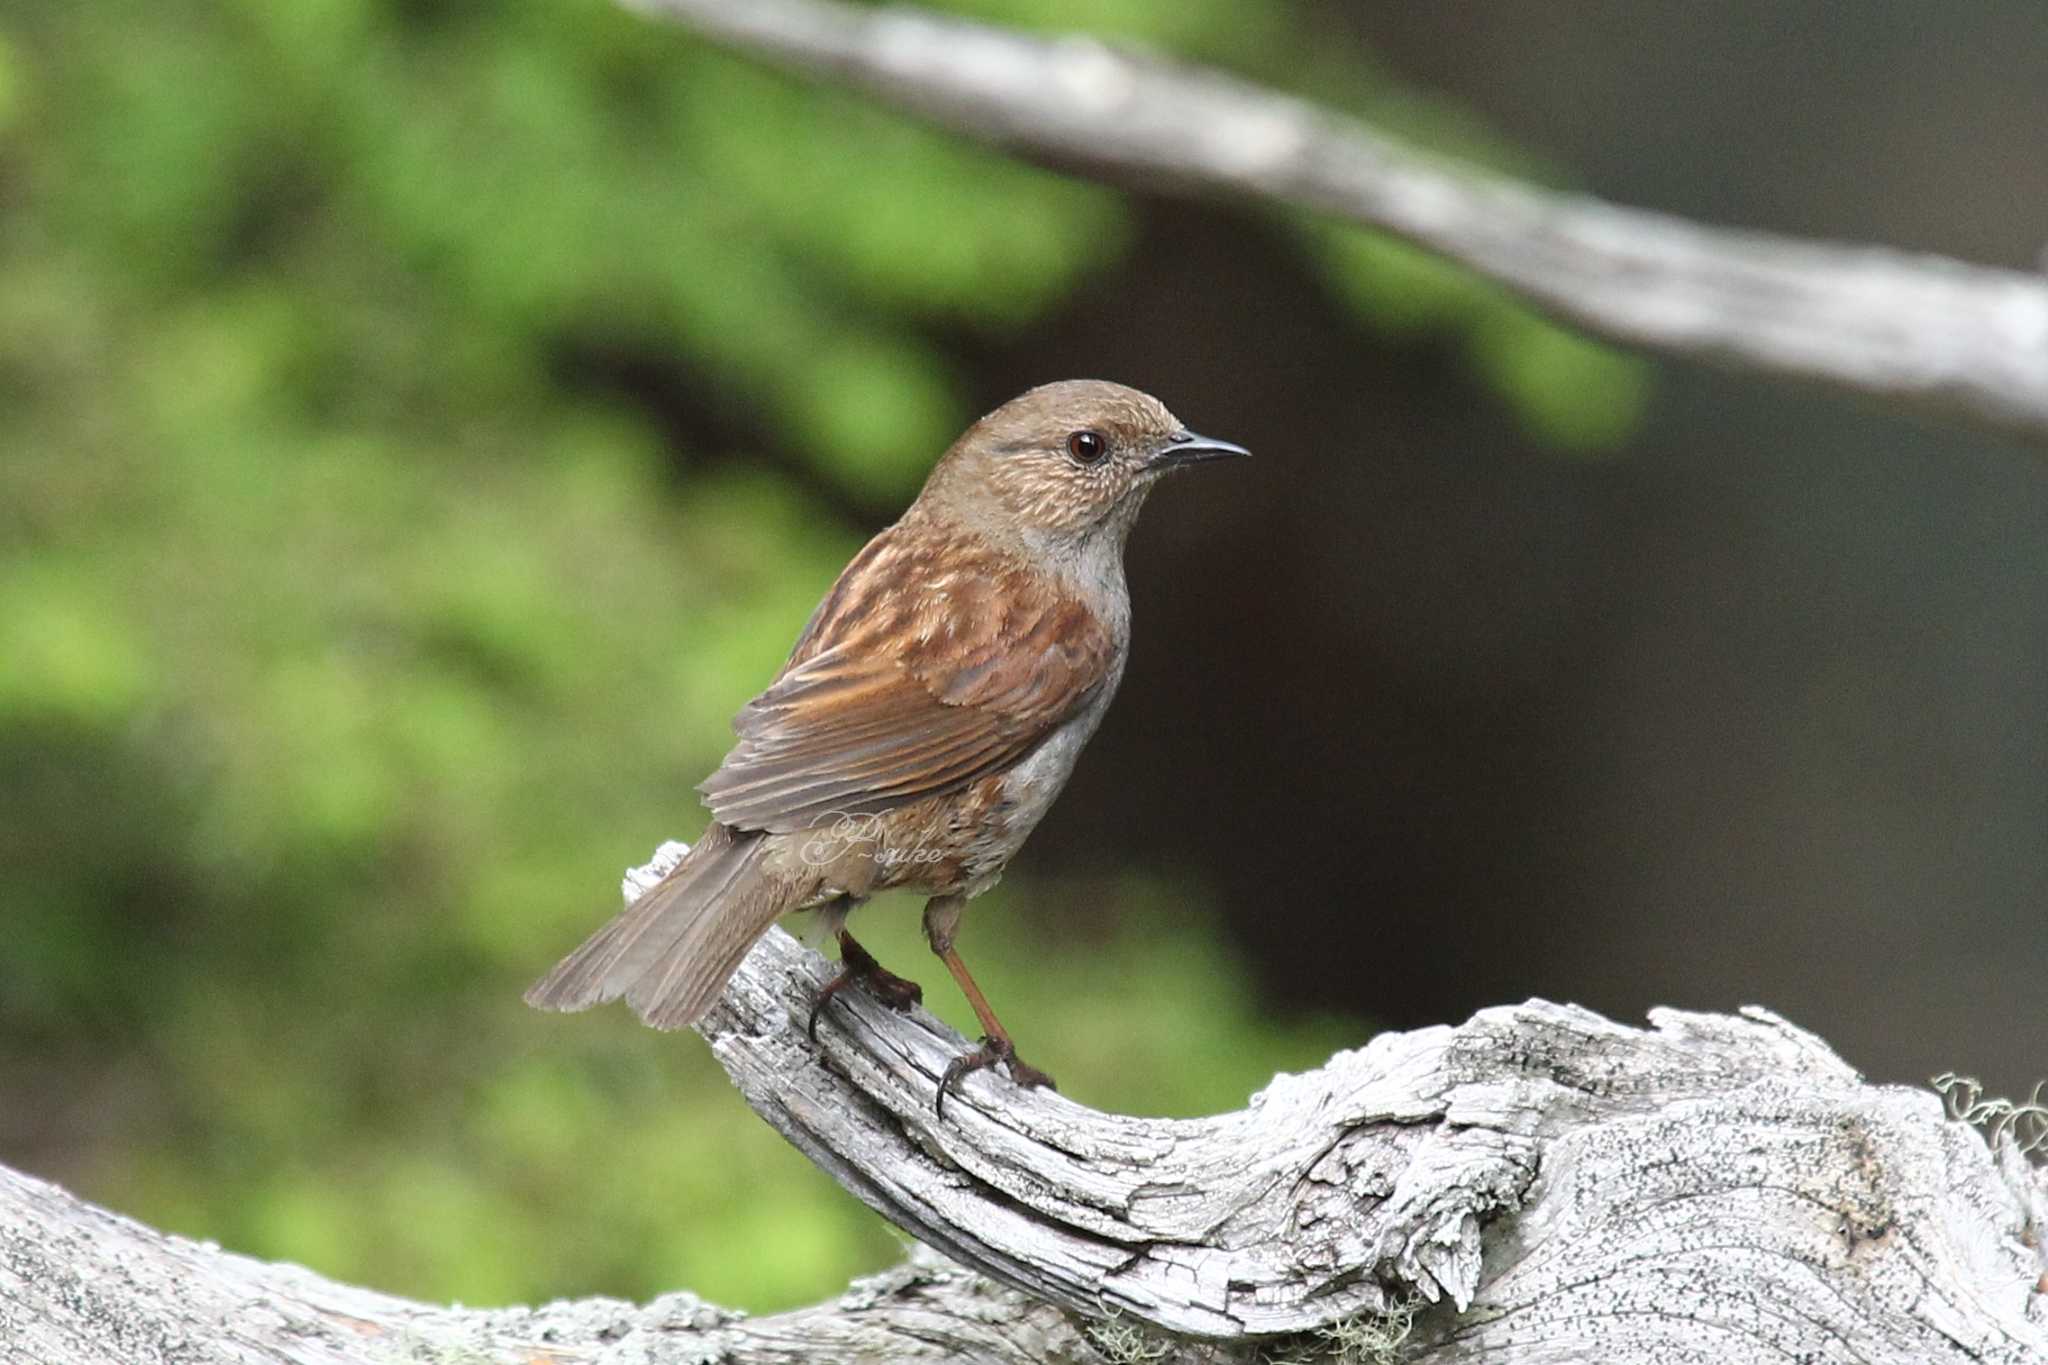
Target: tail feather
[[671, 952]]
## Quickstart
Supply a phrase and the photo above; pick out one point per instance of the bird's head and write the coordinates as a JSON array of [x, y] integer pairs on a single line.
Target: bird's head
[[1065, 466]]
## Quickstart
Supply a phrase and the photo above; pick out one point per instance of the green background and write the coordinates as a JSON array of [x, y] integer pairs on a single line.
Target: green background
[[356, 628]]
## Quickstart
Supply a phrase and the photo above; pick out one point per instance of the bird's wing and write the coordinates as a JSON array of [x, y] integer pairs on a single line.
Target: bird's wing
[[926, 668]]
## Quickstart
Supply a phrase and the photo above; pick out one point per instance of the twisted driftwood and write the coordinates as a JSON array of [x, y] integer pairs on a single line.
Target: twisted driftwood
[[1541, 1184], [1908, 328]]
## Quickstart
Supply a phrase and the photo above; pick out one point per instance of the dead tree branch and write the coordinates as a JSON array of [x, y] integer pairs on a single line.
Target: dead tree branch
[[1546, 1186], [1908, 329]]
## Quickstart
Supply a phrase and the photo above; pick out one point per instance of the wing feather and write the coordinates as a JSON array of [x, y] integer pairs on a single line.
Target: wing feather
[[926, 668]]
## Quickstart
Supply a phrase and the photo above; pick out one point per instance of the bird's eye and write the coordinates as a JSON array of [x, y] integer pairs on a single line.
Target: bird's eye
[[1087, 446]]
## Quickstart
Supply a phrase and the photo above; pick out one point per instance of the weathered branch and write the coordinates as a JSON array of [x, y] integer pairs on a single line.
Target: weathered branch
[[1907, 328], [1566, 1189], [82, 1286], [1559, 1187]]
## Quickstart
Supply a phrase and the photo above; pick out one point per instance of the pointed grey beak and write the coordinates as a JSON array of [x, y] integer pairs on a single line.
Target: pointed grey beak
[[1188, 448]]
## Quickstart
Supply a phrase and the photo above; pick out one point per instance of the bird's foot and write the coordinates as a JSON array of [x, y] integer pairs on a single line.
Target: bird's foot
[[994, 1048], [857, 964]]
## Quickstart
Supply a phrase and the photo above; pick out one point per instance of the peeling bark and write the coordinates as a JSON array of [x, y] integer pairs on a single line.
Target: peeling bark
[[1543, 1184]]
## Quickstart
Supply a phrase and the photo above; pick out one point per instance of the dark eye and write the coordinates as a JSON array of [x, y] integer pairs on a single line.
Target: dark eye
[[1087, 446]]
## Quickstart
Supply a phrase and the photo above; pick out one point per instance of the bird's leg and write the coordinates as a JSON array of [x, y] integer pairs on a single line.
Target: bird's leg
[[941, 920], [858, 964]]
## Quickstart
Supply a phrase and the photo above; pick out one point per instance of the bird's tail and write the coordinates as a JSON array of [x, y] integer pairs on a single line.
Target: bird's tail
[[671, 952]]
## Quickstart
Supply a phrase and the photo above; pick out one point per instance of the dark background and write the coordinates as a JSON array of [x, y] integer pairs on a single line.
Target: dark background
[[422, 425], [1747, 712]]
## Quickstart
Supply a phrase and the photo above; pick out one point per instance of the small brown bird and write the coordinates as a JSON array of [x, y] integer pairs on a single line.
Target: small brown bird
[[929, 714]]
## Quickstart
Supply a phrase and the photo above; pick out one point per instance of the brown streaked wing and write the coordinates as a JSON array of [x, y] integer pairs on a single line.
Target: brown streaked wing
[[925, 668]]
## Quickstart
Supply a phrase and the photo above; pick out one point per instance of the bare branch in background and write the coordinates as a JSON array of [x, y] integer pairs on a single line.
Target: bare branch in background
[[1910, 329]]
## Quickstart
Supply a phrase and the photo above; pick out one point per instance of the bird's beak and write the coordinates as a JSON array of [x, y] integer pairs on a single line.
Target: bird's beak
[[1188, 448]]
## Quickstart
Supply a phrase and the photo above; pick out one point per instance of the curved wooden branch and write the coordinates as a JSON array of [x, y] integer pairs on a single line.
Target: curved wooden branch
[[1902, 327], [82, 1286], [1568, 1188], [1555, 1186]]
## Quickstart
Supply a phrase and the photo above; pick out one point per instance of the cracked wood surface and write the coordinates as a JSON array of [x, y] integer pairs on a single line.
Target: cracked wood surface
[[1550, 1185], [1563, 1187]]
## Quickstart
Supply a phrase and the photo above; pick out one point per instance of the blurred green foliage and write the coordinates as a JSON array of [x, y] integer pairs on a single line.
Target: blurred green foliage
[[347, 648]]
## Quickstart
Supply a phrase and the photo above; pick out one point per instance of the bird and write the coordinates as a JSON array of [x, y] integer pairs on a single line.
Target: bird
[[927, 717]]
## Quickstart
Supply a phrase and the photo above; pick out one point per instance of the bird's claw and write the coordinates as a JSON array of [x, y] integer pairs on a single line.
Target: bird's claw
[[993, 1049], [857, 965]]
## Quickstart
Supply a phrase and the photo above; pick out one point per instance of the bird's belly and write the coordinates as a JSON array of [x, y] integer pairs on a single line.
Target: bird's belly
[[1023, 795], [956, 844], [1030, 788]]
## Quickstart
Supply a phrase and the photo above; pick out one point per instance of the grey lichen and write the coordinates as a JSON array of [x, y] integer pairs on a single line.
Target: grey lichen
[[1125, 1343], [2024, 1125], [1362, 1339]]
